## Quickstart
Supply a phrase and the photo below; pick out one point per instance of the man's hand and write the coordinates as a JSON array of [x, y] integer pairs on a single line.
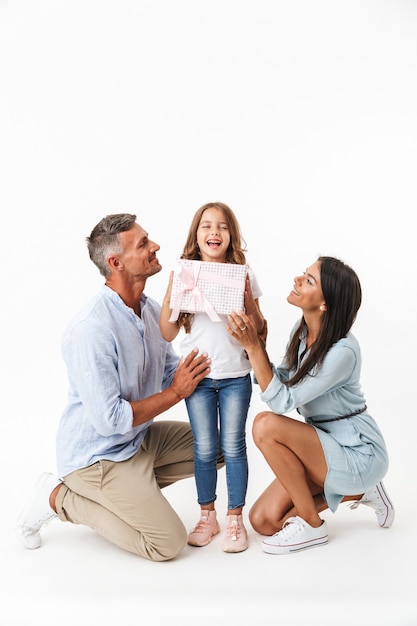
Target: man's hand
[[190, 371], [188, 374]]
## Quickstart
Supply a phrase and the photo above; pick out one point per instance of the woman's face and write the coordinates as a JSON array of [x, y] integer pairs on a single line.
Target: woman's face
[[213, 236], [306, 292]]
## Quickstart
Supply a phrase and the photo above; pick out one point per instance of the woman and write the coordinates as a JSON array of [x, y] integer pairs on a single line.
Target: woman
[[338, 453]]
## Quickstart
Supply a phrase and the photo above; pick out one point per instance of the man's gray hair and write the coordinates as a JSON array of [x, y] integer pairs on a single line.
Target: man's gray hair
[[104, 239]]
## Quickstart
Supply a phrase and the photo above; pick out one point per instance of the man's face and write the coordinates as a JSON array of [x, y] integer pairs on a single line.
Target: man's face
[[139, 257]]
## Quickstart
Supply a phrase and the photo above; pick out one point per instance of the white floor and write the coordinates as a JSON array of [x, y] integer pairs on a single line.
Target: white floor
[[364, 575]]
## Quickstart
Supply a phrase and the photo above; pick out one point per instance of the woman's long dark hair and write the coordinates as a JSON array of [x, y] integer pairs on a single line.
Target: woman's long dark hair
[[342, 294]]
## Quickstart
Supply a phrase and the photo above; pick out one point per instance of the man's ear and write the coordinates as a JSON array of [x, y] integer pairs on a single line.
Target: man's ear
[[114, 262]]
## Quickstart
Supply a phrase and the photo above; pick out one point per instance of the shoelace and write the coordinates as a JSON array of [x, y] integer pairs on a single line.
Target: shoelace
[[233, 530], [202, 525], [290, 528], [379, 507], [35, 528]]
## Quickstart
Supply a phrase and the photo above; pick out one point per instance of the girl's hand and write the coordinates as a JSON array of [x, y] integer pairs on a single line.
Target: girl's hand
[[250, 303], [253, 310]]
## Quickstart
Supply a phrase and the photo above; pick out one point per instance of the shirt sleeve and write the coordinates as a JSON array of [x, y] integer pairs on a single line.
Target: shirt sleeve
[[93, 370]]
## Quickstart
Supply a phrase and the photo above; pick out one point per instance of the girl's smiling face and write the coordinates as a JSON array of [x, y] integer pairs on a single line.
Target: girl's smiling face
[[213, 236]]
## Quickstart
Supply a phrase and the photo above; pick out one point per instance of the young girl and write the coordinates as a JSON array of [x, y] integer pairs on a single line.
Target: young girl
[[219, 405], [338, 453]]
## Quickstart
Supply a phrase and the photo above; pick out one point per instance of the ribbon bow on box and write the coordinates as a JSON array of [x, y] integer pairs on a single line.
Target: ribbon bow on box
[[186, 289]]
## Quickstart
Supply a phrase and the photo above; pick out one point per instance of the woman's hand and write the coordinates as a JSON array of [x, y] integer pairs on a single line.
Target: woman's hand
[[242, 328]]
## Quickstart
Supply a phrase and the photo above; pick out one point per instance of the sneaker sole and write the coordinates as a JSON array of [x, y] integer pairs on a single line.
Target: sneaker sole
[[233, 550], [297, 547]]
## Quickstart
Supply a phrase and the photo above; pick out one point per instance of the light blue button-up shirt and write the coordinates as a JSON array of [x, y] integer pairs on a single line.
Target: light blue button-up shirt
[[112, 357]]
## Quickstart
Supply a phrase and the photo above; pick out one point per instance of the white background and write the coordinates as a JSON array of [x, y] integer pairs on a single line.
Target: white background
[[301, 115]]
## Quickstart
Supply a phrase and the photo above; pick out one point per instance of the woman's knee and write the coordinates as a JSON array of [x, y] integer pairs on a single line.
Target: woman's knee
[[263, 426], [259, 521], [255, 520]]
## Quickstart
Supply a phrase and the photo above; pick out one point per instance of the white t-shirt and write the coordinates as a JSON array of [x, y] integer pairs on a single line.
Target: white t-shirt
[[228, 358]]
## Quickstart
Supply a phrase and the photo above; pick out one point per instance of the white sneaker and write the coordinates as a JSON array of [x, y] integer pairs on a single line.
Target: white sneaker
[[377, 498], [37, 512], [295, 535]]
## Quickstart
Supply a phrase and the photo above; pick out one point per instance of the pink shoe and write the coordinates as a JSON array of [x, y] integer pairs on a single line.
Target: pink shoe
[[205, 529], [236, 538]]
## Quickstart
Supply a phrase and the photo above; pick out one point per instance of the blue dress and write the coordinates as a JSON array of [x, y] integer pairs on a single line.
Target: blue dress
[[354, 447]]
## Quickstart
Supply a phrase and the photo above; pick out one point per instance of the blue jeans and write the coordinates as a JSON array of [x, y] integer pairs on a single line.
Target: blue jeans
[[218, 410]]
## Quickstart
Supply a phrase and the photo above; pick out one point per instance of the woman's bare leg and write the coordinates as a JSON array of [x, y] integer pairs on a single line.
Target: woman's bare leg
[[293, 451]]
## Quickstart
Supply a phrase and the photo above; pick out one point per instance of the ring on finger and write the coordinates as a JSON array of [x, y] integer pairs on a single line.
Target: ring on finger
[[243, 328]]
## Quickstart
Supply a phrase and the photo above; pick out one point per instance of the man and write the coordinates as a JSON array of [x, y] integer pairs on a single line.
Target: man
[[113, 459]]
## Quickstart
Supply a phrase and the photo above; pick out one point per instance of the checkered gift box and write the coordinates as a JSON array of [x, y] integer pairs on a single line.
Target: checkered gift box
[[213, 288]]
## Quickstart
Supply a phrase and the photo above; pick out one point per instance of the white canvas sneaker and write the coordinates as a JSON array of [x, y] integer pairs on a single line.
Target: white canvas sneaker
[[37, 512], [377, 498], [295, 535]]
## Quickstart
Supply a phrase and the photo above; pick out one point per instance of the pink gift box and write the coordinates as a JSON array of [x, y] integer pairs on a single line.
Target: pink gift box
[[212, 288]]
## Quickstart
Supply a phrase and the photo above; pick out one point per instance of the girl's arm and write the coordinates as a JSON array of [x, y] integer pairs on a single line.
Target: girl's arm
[[253, 310], [169, 330]]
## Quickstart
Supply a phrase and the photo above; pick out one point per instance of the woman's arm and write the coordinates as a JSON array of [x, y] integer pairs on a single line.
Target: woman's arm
[[335, 371], [244, 329]]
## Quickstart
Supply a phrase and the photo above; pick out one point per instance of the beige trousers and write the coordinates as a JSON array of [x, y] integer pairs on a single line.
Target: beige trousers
[[123, 501]]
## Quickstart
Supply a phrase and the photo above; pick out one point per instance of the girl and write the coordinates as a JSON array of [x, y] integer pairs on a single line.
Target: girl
[[338, 453], [218, 407]]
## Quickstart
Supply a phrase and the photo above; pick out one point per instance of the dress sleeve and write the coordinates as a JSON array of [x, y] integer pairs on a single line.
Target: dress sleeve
[[334, 372]]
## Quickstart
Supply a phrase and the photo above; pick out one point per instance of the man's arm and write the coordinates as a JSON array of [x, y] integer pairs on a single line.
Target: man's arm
[[189, 373]]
